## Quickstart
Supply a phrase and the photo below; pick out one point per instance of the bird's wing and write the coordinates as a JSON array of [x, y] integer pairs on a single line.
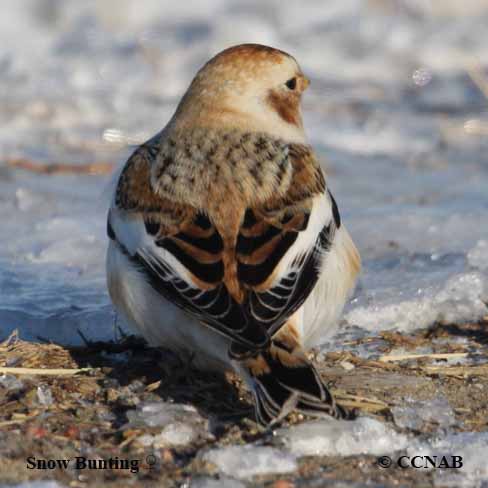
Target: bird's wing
[[242, 280], [281, 244]]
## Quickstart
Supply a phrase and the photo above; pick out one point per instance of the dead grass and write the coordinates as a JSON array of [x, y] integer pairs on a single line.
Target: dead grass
[[96, 168], [90, 404]]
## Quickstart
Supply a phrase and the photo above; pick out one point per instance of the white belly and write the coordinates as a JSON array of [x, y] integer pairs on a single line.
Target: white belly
[[322, 309], [160, 322]]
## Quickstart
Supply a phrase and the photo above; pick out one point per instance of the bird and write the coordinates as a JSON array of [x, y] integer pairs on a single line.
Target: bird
[[225, 242]]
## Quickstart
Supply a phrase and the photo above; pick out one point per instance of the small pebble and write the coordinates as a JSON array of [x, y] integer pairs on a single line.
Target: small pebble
[[11, 383], [44, 395], [347, 365]]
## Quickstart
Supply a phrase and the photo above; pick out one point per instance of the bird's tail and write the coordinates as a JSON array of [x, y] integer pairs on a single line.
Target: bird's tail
[[284, 380]]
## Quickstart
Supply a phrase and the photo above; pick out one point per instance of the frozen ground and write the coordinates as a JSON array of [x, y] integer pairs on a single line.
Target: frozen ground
[[393, 111], [401, 126]]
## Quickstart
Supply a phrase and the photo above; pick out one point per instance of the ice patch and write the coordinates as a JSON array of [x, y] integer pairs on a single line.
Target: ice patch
[[462, 298], [478, 256], [413, 414], [342, 438], [160, 414], [173, 435], [11, 383], [176, 434], [471, 446], [44, 395], [181, 424], [248, 460]]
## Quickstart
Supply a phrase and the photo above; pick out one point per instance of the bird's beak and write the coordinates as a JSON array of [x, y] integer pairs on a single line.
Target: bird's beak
[[305, 83]]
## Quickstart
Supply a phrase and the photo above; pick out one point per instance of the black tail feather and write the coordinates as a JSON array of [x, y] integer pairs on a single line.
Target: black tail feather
[[273, 400], [284, 381]]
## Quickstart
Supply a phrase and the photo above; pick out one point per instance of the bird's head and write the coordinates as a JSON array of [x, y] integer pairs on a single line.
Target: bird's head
[[249, 87]]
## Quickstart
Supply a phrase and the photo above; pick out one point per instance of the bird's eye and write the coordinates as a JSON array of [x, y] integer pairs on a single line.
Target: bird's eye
[[291, 83]]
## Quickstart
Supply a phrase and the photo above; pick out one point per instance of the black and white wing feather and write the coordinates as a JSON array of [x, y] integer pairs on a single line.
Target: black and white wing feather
[[184, 251]]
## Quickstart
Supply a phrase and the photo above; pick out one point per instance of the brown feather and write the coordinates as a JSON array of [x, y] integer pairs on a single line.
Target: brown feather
[[200, 255], [257, 365], [287, 105], [222, 174]]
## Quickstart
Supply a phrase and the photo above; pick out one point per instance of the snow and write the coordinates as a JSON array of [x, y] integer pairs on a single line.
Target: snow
[[172, 435], [392, 112], [176, 434], [249, 460], [44, 395], [412, 414], [333, 437], [471, 446], [11, 383], [176, 424], [461, 298], [478, 256], [157, 414]]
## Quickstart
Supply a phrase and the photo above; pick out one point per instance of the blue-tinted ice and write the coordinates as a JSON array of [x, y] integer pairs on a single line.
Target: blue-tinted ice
[[393, 110]]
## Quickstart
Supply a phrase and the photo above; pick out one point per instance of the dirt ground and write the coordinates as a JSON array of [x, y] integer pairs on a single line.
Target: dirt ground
[[67, 413]]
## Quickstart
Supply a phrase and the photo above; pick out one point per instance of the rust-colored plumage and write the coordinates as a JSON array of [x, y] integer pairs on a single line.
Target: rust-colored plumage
[[287, 107], [273, 181]]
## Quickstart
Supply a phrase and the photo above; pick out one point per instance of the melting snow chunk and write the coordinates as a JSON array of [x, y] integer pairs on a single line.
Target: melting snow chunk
[[11, 383], [414, 413], [478, 256], [471, 446], [176, 434], [172, 435], [247, 461], [44, 395], [181, 424], [342, 438], [460, 299], [160, 414]]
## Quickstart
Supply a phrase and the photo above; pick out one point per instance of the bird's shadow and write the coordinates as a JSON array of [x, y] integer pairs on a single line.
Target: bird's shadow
[[477, 331], [132, 366]]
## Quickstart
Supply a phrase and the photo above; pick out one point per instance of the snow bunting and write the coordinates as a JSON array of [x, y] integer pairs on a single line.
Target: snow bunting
[[225, 241]]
